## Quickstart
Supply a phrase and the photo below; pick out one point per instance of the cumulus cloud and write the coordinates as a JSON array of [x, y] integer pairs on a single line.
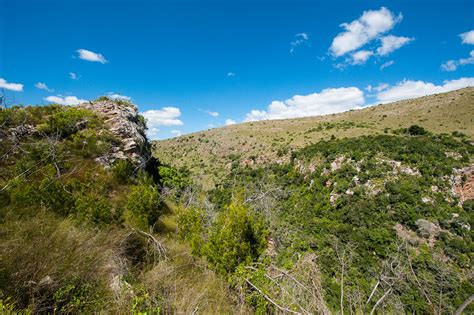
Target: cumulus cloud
[[359, 32], [452, 65], [91, 56], [229, 122], [391, 43], [411, 89], [17, 87], [167, 116], [230, 74], [386, 64], [73, 76], [468, 37], [116, 96], [43, 86], [67, 100], [213, 114], [328, 101], [300, 39], [360, 57]]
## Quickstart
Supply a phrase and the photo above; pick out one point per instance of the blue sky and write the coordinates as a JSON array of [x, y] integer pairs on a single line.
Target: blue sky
[[192, 65]]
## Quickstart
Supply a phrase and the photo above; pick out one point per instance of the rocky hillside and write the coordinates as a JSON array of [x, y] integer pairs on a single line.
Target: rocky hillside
[[209, 154], [81, 206], [122, 120]]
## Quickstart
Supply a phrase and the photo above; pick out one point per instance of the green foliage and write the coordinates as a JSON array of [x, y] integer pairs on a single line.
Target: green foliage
[[143, 205], [173, 178], [358, 191], [94, 208], [66, 121], [237, 237], [191, 227], [123, 171]]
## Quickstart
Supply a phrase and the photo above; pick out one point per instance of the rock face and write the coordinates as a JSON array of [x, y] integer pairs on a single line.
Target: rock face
[[123, 120], [463, 183]]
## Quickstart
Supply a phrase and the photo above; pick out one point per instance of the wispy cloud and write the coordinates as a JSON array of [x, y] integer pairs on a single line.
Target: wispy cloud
[[300, 39], [116, 96], [91, 56], [17, 87], [386, 64], [73, 76], [176, 133], [213, 114], [453, 65], [43, 86], [67, 100], [230, 74]]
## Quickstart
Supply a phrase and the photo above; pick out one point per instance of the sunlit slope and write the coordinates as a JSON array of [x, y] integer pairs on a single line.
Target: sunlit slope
[[207, 154]]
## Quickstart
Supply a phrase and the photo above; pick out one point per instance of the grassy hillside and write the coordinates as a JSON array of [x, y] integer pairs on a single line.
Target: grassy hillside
[[209, 154], [80, 235]]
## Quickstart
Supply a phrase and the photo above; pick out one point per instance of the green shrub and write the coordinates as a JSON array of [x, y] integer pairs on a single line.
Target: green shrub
[[143, 206], [68, 120], [172, 178], [191, 222], [94, 208], [237, 237], [416, 130], [123, 171]]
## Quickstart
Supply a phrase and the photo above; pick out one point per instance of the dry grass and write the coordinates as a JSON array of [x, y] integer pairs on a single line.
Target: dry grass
[[209, 153]]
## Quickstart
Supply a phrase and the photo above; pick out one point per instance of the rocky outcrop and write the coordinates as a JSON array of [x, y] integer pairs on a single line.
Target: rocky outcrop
[[463, 183], [124, 122]]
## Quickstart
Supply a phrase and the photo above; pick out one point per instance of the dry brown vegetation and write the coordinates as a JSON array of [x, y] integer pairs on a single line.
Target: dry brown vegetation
[[209, 153]]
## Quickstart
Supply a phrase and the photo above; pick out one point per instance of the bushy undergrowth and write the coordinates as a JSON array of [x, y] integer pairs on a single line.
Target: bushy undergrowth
[[360, 204], [66, 222]]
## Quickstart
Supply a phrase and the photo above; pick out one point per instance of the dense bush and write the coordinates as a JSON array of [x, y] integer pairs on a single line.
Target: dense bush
[[359, 192], [237, 237], [143, 205]]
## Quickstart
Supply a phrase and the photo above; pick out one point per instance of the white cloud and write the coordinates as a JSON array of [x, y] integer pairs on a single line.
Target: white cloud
[[213, 114], [116, 96], [152, 133], [73, 76], [452, 65], [230, 74], [17, 87], [91, 56], [177, 133], [391, 43], [378, 88], [167, 116], [43, 86], [411, 89], [229, 122], [468, 37], [301, 38], [67, 100], [328, 101], [360, 57], [386, 64], [359, 32]]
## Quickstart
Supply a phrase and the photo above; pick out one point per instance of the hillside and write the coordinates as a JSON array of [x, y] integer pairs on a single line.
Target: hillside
[[209, 154], [80, 199]]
